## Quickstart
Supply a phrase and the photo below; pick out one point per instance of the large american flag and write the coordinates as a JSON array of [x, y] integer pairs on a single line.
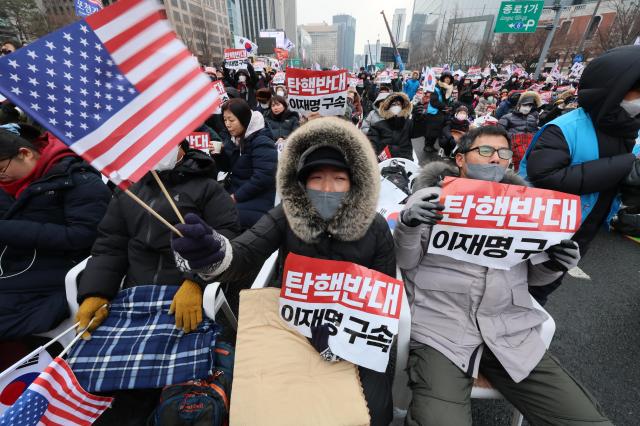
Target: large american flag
[[118, 87], [55, 399]]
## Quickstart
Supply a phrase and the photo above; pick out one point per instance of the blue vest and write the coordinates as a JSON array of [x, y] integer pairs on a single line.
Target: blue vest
[[582, 140], [433, 110]]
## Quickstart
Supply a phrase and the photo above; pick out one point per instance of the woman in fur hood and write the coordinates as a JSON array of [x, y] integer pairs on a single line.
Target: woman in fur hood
[[329, 183], [394, 130]]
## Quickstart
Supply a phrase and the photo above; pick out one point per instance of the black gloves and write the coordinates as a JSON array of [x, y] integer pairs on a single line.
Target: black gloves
[[320, 341], [424, 211], [563, 256]]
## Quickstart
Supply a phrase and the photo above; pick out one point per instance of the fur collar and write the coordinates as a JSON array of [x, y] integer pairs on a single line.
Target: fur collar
[[386, 104], [435, 171], [359, 206]]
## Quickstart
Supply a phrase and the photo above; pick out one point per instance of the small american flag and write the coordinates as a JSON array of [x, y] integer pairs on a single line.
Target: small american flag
[[55, 399], [118, 87]]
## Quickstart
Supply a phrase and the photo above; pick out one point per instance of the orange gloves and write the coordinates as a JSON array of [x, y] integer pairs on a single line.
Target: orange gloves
[[187, 306]]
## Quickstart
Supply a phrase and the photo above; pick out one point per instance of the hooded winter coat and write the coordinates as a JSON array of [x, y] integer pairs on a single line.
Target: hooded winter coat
[[135, 246], [283, 124], [393, 131], [357, 233], [458, 307], [252, 163], [605, 81], [374, 116], [411, 86], [46, 231], [516, 122]]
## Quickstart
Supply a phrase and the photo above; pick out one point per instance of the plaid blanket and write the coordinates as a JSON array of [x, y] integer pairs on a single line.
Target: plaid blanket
[[138, 345]]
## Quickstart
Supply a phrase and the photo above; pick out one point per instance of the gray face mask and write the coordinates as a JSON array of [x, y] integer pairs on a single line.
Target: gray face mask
[[490, 172], [326, 203]]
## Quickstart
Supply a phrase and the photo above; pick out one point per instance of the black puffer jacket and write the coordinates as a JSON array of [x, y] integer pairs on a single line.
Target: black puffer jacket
[[516, 122], [135, 245], [356, 234], [393, 131], [604, 83], [282, 125], [53, 224]]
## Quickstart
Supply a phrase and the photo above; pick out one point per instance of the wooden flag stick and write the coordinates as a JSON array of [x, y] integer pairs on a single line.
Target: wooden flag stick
[[152, 211], [166, 194]]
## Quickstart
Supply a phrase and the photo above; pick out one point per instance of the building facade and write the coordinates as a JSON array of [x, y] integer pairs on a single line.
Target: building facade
[[235, 18], [346, 40], [398, 24], [324, 43]]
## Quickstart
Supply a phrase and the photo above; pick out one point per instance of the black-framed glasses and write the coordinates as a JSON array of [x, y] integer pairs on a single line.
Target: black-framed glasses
[[487, 151], [6, 51], [2, 172]]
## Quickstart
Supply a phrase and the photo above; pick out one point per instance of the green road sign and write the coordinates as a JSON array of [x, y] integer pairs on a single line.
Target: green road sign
[[296, 62], [519, 16], [380, 65]]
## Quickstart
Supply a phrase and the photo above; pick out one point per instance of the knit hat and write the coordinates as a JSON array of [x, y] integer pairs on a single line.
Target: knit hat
[[317, 156]]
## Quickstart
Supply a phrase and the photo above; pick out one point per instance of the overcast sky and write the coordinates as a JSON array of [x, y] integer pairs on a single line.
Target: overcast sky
[[369, 22]]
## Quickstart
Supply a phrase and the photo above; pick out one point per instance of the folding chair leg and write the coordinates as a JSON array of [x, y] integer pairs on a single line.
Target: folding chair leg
[[516, 418]]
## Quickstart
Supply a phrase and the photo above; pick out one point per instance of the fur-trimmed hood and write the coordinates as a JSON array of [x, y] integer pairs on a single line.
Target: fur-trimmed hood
[[434, 172], [530, 96], [386, 104], [358, 208]]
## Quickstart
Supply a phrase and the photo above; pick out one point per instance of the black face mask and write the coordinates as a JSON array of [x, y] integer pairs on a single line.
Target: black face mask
[[617, 122]]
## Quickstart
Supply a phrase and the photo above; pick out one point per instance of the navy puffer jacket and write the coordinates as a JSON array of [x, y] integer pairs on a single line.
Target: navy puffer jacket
[[47, 230], [252, 164]]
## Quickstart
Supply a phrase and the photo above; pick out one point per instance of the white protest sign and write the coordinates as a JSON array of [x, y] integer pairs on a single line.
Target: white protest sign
[[278, 78], [235, 59], [498, 225], [317, 91], [360, 306], [383, 78]]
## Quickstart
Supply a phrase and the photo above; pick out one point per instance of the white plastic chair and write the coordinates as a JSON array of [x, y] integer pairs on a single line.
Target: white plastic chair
[[402, 393], [213, 299], [267, 272]]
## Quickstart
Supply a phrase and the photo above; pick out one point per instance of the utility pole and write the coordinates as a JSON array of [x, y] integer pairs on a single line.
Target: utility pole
[[584, 35], [543, 55]]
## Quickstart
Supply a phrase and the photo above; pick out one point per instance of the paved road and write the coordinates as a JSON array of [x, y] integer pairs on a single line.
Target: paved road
[[598, 331]]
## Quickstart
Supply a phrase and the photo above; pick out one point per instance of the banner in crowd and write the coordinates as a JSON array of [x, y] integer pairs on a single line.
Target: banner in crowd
[[87, 7], [498, 225], [221, 95], [235, 59], [353, 81], [281, 54], [360, 306], [383, 78], [317, 91], [199, 140]]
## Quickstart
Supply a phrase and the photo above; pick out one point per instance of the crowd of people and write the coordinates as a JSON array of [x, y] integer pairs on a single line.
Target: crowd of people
[[309, 185]]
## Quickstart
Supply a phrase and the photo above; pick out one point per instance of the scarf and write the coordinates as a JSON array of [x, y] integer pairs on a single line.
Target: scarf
[[51, 150]]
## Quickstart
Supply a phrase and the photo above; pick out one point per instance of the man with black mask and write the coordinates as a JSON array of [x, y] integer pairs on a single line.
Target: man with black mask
[[588, 151]]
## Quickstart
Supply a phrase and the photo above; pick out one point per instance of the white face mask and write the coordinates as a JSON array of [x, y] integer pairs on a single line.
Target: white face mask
[[280, 93], [242, 79], [632, 107], [169, 161], [525, 109], [461, 116], [264, 105], [395, 110]]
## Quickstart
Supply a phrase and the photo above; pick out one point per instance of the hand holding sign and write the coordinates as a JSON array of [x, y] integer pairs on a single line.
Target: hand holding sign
[[424, 211], [563, 256]]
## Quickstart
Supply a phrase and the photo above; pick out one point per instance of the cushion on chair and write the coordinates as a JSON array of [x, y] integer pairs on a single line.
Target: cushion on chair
[[279, 379]]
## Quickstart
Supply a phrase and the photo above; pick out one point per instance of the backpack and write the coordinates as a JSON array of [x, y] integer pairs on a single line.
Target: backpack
[[199, 402]]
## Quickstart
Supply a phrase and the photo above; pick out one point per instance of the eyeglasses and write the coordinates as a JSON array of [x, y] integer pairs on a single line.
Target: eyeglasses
[[487, 151], [6, 51], [3, 171]]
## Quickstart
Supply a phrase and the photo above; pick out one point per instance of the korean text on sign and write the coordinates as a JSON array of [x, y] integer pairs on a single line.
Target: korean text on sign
[[360, 306], [498, 225], [324, 92]]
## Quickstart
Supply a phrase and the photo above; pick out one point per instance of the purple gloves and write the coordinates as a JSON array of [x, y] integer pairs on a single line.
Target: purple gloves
[[201, 248]]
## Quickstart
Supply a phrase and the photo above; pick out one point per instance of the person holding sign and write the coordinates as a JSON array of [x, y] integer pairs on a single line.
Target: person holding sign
[[329, 183], [469, 319]]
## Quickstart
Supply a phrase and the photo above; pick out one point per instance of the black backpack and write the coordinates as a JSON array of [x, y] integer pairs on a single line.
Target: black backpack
[[397, 175], [199, 402]]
